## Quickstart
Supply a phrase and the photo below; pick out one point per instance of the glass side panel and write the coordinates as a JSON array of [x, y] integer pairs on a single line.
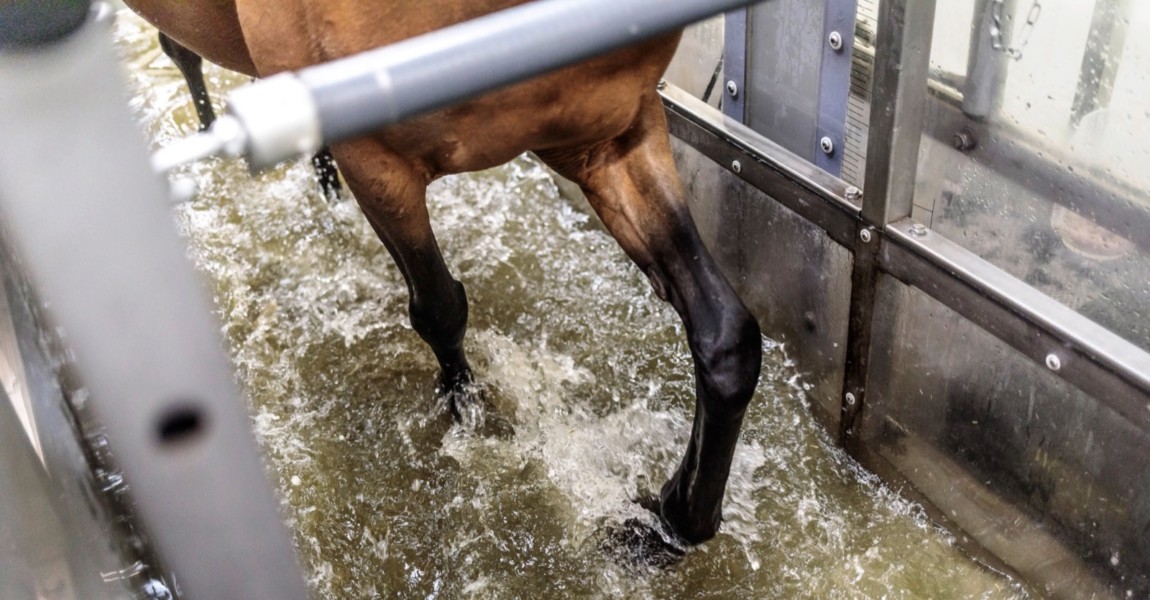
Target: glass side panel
[[697, 66], [1033, 146]]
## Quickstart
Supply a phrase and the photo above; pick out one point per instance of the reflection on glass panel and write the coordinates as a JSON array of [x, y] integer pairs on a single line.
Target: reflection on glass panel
[[697, 65], [1071, 74], [1034, 145]]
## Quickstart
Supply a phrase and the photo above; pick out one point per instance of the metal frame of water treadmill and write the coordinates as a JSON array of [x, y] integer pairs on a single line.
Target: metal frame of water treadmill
[[884, 240], [1091, 358]]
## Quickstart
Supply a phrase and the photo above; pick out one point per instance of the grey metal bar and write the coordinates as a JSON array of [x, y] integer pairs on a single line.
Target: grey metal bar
[[291, 114], [986, 67], [1102, 364], [735, 64], [835, 83], [898, 99], [362, 93], [32, 22], [57, 527], [793, 181], [89, 220]]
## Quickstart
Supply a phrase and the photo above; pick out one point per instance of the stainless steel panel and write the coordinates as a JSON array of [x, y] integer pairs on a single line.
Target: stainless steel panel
[[1045, 477], [792, 275], [796, 183], [57, 537]]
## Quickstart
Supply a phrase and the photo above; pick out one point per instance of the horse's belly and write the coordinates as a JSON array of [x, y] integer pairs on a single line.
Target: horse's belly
[[208, 27], [575, 107], [593, 101]]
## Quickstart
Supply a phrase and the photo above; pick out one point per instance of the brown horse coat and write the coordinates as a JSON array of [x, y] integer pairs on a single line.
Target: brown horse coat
[[600, 123]]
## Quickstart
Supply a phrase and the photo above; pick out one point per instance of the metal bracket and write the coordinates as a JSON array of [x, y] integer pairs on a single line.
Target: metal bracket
[[864, 282], [735, 64], [834, 84]]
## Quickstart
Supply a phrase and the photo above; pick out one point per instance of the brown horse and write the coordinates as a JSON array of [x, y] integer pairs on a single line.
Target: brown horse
[[600, 124]]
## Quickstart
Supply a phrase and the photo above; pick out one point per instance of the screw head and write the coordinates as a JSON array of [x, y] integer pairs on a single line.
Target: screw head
[[853, 193], [1053, 362], [827, 145], [963, 140], [662, 85], [732, 88], [850, 398], [918, 229], [835, 39], [736, 166], [865, 236]]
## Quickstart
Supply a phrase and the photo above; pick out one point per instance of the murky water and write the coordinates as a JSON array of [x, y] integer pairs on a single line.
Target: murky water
[[590, 388]]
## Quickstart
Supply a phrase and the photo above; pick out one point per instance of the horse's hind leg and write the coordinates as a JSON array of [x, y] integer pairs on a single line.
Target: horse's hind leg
[[326, 172], [393, 197], [632, 184], [191, 65]]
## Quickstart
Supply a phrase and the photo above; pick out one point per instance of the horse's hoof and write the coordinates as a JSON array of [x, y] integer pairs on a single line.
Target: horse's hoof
[[650, 502], [638, 545], [465, 401], [471, 407]]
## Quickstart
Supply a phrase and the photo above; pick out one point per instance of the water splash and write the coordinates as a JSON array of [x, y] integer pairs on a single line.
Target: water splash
[[588, 388]]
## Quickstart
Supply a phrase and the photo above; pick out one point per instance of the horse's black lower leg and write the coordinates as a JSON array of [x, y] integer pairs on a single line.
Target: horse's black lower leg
[[438, 312], [727, 352], [393, 199], [633, 187], [726, 348], [326, 172], [191, 66]]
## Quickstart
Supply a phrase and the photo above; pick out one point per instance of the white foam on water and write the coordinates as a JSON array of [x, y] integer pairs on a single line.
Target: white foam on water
[[589, 389]]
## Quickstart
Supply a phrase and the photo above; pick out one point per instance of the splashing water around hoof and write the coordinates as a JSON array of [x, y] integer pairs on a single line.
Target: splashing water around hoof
[[583, 404], [639, 544], [465, 400]]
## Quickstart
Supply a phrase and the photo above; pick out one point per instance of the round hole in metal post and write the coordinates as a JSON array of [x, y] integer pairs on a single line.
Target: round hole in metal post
[[180, 424]]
